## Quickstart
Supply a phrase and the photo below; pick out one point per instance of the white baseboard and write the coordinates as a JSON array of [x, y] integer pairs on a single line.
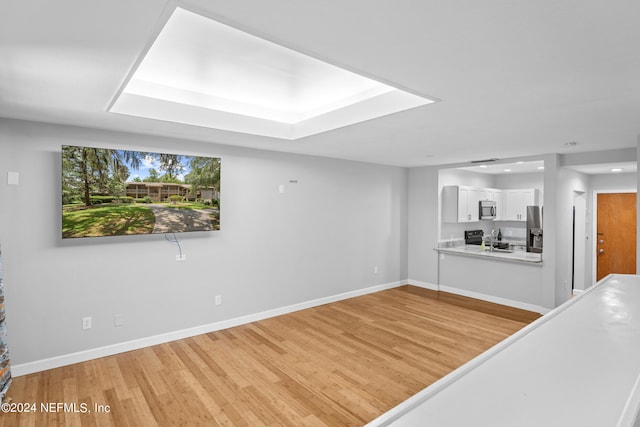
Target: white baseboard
[[483, 297], [425, 285], [109, 350], [497, 300]]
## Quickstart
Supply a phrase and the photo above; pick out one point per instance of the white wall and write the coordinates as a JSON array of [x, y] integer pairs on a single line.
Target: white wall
[[520, 180], [454, 176], [613, 181], [320, 238], [423, 225], [568, 182]]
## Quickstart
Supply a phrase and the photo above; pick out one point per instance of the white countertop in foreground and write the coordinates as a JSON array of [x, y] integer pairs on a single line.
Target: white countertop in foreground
[[474, 250], [579, 365]]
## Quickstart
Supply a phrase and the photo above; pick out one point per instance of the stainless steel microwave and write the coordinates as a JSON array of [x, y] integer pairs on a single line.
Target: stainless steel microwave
[[487, 209]]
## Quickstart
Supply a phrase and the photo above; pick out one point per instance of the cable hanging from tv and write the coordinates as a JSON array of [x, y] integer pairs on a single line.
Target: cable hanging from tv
[[175, 240]]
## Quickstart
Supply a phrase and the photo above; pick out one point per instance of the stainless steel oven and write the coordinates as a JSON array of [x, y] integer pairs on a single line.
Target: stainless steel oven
[[487, 209]]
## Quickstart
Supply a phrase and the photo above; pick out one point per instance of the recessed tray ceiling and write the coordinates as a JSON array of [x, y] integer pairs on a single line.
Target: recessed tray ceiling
[[201, 72]]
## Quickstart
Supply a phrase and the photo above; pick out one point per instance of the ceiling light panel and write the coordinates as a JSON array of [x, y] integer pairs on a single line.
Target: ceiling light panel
[[241, 82]]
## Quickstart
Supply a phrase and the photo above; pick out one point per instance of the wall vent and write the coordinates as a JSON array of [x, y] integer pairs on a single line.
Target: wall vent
[[484, 161]]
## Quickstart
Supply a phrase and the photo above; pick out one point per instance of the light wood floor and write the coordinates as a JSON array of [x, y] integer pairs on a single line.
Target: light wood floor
[[340, 364]]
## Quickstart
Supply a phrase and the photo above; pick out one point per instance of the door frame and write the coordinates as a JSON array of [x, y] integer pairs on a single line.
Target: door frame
[[594, 231], [580, 241]]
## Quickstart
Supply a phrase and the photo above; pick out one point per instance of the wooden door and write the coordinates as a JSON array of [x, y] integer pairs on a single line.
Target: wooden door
[[616, 238]]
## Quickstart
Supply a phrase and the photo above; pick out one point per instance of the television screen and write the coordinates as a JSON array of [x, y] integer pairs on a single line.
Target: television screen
[[107, 192]]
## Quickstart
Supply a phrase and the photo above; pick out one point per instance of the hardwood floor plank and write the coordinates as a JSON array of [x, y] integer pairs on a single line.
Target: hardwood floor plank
[[139, 411], [342, 364]]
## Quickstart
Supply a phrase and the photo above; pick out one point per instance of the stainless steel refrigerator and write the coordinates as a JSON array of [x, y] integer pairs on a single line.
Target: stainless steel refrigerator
[[534, 229]]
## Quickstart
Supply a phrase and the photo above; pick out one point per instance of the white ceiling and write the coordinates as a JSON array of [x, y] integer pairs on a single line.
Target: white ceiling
[[513, 78], [506, 168], [606, 168]]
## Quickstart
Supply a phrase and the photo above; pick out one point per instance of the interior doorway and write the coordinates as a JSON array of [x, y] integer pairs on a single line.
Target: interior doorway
[[616, 234], [579, 240]]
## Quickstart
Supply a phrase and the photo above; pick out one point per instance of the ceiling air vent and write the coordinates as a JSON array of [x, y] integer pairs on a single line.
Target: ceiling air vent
[[484, 161]]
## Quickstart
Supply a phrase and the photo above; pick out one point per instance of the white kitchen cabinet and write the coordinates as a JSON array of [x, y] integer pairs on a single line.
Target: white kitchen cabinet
[[495, 195], [462, 209], [491, 194], [460, 203], [499, 199], [516, 202], [512, 205], [530, 197], [473, 208]]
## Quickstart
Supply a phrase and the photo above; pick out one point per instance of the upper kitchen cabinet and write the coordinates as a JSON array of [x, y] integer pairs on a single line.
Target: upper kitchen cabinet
[[495, 195], [516, 202], [512, 186], [460, 203]]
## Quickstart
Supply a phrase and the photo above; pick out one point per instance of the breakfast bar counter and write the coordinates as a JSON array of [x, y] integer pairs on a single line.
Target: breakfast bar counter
[[499, 254], [510, 278]]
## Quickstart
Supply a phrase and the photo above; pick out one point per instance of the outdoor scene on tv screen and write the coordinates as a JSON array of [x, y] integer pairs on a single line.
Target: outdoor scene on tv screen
[[109, 192]]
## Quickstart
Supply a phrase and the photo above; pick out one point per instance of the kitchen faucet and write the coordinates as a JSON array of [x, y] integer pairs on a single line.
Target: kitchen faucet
[[491, 240]]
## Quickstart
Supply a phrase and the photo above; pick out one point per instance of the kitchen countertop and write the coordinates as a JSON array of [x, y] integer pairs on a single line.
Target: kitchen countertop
[[474, 250]]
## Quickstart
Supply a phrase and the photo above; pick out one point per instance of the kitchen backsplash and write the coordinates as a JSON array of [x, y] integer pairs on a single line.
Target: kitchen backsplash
[[513, 233]]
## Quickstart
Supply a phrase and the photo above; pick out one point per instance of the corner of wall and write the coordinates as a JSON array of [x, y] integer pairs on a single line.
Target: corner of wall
[[638, 210]]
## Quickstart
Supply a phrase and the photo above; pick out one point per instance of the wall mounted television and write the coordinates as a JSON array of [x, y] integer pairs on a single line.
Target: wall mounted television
[[108, 192]]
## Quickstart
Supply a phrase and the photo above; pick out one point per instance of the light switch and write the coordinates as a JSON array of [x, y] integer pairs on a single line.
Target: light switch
[[13, 178]]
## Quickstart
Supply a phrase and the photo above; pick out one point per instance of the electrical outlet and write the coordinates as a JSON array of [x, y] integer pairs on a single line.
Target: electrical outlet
[[218, 299], [13, 178], [182, 257], [118, 320], [86, 323], [375, 270]]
